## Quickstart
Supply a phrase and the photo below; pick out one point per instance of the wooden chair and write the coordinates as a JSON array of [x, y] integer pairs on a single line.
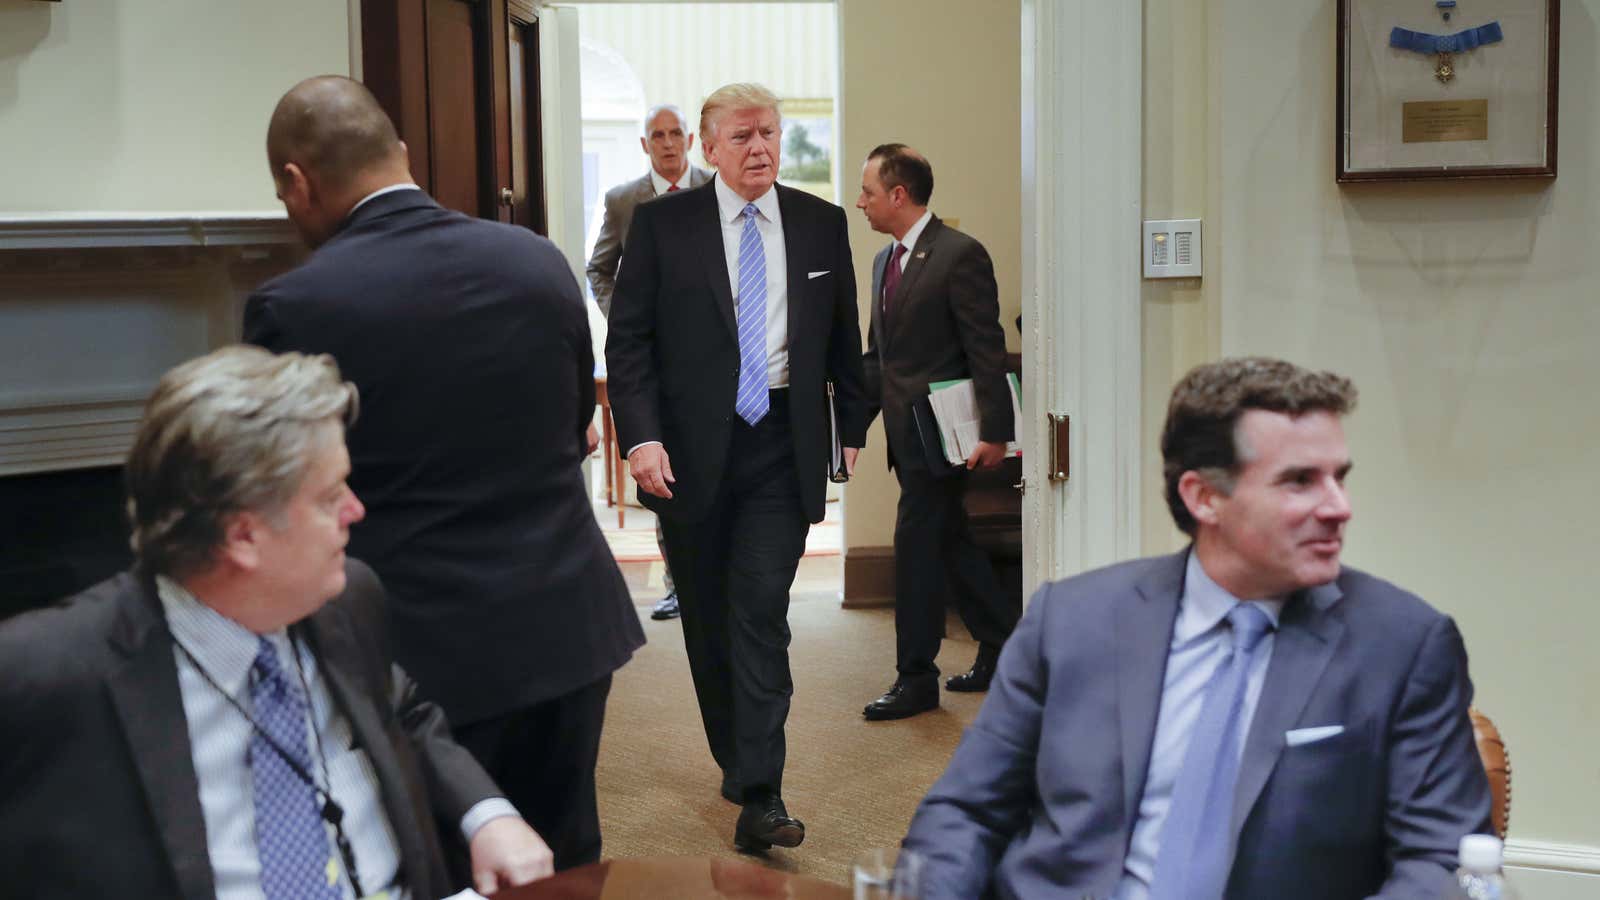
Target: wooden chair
[[1497, 764]]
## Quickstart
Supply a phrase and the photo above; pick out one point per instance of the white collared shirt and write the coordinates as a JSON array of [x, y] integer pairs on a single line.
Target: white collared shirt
[[661, 184], [911, 236], [404, 186], [219, 739], [769, 224]]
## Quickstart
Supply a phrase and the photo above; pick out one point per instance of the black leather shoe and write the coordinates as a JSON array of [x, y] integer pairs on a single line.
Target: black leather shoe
[[765, 823], [905, 699], [731, 791], [975, 679], [666, 607]]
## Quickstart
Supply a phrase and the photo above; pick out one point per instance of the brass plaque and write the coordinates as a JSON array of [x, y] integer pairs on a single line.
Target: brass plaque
[[1444, 120]]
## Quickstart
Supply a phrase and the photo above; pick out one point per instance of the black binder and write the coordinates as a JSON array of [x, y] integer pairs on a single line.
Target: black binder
[[838, 472], [928, 438]]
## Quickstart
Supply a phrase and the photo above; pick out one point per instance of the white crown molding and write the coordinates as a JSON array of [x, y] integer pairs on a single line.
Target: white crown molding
[[1553, 857], [99, 230]]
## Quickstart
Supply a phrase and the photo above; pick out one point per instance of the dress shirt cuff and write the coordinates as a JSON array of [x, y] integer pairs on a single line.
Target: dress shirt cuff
[[483, 812], [637, 446]]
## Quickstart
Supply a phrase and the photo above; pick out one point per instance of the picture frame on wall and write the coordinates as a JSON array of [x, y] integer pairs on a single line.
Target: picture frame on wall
[[1447, 89]]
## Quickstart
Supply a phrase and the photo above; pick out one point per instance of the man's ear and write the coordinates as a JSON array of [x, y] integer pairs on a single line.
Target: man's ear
[[644, 144], [688, 143], [241, 541], [294, 186], [1200, 496]]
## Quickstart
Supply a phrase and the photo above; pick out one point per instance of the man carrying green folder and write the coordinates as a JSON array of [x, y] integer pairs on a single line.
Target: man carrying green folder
[[935, 318]]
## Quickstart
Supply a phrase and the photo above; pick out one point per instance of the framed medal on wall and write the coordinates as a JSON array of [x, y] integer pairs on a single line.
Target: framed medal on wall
[[1431, 89]]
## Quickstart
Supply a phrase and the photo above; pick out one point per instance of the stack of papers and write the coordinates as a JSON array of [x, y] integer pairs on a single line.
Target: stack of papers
[[955, 409]]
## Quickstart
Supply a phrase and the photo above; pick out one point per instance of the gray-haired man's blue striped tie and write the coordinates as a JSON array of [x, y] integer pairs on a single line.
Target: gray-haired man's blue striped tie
[[294, 848], [751, 402]]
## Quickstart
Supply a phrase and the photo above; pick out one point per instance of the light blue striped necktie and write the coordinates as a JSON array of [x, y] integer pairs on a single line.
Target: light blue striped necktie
[[751, 402], [1196, 852], [290, 838]]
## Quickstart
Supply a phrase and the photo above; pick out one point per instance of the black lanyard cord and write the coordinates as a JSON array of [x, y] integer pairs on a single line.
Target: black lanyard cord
[[330, 810]]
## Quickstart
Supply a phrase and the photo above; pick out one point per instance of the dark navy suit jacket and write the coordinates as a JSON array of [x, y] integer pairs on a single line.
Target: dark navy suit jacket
[[98, 793], [1042, 795], [470, 344]]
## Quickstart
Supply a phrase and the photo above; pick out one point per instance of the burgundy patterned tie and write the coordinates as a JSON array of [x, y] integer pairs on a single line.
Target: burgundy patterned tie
[[891, 278]]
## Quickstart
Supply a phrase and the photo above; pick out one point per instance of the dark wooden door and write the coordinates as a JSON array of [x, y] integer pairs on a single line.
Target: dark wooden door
[[459, 79]]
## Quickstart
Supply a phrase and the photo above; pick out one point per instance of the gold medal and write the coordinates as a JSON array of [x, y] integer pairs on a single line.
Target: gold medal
[[1445, 69]]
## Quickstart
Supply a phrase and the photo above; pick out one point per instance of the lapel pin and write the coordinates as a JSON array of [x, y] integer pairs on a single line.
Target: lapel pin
[[923, 254]]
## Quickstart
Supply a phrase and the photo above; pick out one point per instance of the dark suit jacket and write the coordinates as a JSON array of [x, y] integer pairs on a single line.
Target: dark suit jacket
[[1043, 792], [944, 324], [98, 794], [672, 353], [620, 202], [470, 344]]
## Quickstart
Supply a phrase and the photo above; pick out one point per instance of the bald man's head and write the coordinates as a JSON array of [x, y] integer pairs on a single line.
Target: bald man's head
[[329, 145], [333, 128]]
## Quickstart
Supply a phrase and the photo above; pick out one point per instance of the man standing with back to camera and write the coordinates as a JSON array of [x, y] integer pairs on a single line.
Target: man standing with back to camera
[[735, 307], [935, 317], [470, 343], [667, 142]]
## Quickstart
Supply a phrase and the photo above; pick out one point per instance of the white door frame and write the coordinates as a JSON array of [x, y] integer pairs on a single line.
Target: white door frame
[[1082, 105]]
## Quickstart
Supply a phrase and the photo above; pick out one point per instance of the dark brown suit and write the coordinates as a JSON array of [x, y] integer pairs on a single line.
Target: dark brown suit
[[942, 323]]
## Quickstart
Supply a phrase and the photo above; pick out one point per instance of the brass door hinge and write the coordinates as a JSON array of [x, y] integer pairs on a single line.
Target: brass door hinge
[[1060, 446]]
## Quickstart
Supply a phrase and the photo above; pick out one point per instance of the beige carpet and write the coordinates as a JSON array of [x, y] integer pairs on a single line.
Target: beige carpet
[[854, 783]]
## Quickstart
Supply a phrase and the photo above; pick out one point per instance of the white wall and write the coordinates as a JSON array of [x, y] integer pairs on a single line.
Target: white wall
[[1467, 314], [159, 105]]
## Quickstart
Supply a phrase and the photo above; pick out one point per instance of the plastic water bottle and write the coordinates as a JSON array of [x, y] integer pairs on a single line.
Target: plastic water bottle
[[1480, 877]]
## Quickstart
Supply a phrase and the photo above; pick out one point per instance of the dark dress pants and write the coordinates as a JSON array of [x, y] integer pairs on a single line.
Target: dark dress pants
[[934, 553], [543, 758], [733, 570]]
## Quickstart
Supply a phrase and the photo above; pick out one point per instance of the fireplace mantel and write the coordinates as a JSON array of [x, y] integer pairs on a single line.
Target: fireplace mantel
[[101, 230], [94, 307]]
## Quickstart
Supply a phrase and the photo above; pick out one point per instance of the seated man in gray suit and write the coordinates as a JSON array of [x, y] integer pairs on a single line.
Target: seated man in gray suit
[[667, 140], [226, 720], [1245, 719]]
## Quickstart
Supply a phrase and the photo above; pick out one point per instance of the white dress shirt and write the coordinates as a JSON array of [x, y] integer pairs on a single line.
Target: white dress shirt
[[769, 224], [661, 184], [219, 737], [1201, 642], [909, 241]]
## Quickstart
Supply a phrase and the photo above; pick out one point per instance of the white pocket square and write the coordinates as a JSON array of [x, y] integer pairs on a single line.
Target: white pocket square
[[1300, 736], [810, 275]]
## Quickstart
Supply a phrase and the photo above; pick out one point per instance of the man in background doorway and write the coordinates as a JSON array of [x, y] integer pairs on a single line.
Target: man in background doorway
[[935, 317], [735, 309], [470, 343], [667, 141]]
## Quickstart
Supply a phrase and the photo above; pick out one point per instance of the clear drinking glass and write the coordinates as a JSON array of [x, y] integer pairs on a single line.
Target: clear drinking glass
[[888, 873]]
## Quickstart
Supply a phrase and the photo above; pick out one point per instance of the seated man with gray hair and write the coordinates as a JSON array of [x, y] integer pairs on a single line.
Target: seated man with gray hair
[[225, 719]]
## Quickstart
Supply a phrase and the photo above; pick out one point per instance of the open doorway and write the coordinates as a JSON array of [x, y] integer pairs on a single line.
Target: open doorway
[[633, 57]]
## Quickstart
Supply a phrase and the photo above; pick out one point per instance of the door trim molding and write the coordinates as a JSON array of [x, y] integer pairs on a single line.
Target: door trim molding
[[1082, 103]]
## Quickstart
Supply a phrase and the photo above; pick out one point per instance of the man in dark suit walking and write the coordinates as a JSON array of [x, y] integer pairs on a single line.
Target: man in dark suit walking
[[734, 310], [226, 720], [667, 141], [471, 346], [935, 317], [1244, 719]]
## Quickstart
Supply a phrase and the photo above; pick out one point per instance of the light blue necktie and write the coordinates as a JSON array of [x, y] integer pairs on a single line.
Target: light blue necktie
[[1196, 852], [751, 402], [290, 838]]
